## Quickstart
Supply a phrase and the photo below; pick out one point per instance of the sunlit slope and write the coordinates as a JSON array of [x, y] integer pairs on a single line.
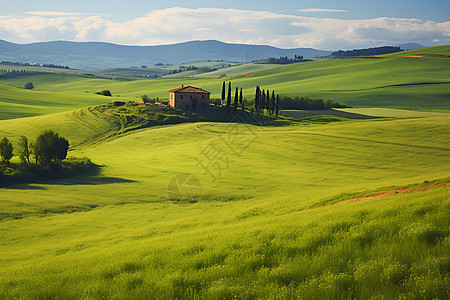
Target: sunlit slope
[[78, 126], [19, 102], [394, 82], [246, 235], [236, 70], [397, 82], [287, 165], [438, 51]]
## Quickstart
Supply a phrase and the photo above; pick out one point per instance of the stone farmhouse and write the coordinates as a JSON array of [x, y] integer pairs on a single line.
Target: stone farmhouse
[[189, 98]]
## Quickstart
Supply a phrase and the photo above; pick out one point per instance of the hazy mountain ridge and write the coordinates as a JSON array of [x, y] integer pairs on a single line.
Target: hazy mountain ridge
[[410, 46], [93, 55]]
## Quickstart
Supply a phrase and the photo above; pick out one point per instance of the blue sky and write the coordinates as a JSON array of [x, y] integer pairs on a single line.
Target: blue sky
[[323, 24]]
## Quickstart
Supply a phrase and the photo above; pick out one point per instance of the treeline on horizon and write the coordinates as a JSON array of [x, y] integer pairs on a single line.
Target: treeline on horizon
[[366, 52]]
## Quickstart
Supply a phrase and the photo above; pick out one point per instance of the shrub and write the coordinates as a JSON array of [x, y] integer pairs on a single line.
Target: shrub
[[104, 93], [29, 86]]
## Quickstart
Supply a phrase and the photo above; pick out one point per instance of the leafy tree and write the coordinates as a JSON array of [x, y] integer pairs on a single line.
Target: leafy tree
[[24, 150], [6, 150], [223, 92], [50, 146], [29, 86], [229, 98], [145, 99], [61, 146]]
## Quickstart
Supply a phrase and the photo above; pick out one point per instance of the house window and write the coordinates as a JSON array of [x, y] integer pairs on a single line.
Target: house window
[[181, 97], [190, 97], [203, 97]]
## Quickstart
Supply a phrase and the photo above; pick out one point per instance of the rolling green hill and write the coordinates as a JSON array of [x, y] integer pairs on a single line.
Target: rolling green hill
[[19, 102], [322, 208], [437, 51], [266, 225], [398, 82]]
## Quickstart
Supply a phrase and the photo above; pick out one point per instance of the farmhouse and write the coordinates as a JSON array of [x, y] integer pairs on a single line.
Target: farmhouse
[[189, 98]]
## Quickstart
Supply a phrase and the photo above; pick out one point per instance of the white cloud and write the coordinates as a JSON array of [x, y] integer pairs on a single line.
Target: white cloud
[[177, 24], [313, 10], [204, 29], [47, 13]]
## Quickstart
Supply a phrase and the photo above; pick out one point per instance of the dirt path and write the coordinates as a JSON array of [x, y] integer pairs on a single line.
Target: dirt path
[[201, 130], [396, 192], [426, 56], [385, 193]]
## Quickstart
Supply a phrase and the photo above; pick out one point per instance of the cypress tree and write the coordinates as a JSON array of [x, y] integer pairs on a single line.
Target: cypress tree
[[268, 102], [229, 98], [223, 93], [263, 100], [276, 105], [241, 101], [236, 101], [272, 103], [257, 96]]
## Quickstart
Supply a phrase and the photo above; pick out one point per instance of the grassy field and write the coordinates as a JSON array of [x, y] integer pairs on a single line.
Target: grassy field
[[245, 236], [392, 113], [438, 51], [399, 82], [218, 210], [19, 102]]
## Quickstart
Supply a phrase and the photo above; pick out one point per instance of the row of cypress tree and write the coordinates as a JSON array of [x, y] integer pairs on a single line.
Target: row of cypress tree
[[265, 102], [238, 99]]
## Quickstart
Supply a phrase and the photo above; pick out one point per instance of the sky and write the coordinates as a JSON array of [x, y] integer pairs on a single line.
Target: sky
[[320, 24]]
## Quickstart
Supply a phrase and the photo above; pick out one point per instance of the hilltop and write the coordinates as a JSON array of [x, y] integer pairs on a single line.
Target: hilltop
[[189, 205], [96, 55], [416, 81]]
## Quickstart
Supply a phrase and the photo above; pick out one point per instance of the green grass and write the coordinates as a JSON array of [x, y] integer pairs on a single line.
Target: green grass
[[117, 235], [16, 102], [437, 51], [236, 70], [392, 113], [396, 82], [269, 221], [348, 113]]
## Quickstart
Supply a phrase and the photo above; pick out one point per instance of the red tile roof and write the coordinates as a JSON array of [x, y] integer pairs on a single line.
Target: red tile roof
[[189, 89]]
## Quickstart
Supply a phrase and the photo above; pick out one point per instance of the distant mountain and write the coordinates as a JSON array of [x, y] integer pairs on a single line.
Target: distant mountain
[[410, 46], [95, 55]]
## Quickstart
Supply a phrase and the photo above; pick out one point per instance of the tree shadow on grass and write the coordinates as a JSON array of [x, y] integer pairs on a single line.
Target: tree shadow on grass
[[88, 180], [21, 186], [79, 180], [88, 174]]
